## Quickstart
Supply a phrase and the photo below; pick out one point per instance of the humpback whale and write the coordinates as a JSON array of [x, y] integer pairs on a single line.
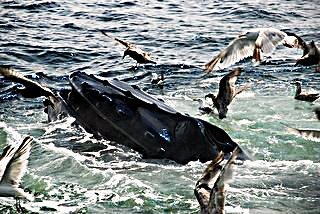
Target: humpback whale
[[119, 112], [13, 165]]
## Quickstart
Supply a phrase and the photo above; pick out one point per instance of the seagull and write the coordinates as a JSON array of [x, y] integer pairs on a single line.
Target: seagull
[[212, 199], [311, 55], [133, 51], [33, 89], [305, 96], [203, 108], [13, 165], [251, 43], [311, 52], [309, 134], [227, 91]]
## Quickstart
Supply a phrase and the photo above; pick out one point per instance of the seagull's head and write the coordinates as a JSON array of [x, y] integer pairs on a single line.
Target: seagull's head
[[296, 83], [210, 96]]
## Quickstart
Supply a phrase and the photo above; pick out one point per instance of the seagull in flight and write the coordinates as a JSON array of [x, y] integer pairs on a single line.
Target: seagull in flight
[[31, 88], [227, 91], [212, 198], [133, 51], [13, 165], [252, 43]]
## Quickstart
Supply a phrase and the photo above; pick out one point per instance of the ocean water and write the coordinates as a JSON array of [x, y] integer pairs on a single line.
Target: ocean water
[[69, 171]]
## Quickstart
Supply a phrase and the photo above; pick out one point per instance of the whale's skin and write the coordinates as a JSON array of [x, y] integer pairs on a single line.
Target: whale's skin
[[119, 112]]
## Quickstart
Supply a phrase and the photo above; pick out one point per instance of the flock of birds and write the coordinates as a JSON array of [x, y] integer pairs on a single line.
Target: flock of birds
[[255, 44]]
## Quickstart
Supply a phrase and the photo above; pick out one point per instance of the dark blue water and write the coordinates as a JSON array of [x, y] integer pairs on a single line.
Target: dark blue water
[[70, 171]]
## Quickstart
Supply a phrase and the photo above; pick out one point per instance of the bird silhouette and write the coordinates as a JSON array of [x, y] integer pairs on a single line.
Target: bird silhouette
[[212, 199], [311, 52], [13, 165], [32, 89], [227, 91], [251, 43], [304, 96], [311, 55], [133, 51]]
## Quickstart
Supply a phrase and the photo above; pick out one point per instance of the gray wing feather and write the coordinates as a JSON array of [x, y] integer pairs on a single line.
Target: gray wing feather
[[5, 158], [269, 39], [240, 48], [17, 166]]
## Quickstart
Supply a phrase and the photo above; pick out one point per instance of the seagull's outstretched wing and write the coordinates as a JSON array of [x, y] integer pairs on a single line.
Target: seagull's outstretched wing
[[227, 84], [17, 166], [32, 88], [269, 39], [212, 200], [240, 48], [127, 44], [5, 158], [217, 196], [251, 43]]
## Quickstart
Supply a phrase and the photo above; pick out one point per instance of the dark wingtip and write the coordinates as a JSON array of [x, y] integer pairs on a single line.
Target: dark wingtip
[[5, 151], [27, 139], [105, 33], [5, 66], [300, 40]]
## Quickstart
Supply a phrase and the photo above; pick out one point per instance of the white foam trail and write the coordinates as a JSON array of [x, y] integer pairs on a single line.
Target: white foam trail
[[65, 124], [78, 157], [14, 137]]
